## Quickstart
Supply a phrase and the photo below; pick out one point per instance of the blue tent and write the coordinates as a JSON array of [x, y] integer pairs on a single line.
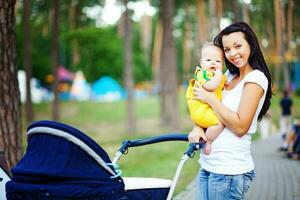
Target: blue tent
[[106, 89]]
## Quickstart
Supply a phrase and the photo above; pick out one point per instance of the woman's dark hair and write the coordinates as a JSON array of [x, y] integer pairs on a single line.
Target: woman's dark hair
[[256, 59]]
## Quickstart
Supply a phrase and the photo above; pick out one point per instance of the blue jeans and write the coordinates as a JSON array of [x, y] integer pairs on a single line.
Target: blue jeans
[[212, 186]]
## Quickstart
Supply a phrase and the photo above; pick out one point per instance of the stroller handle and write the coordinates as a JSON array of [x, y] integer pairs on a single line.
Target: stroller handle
[[161, 138], [192, 148], [156, 139]]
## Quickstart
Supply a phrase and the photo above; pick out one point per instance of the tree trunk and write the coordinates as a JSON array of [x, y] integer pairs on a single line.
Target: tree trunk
[[157, 52], [73, 23], [10, 105], [187, 41], [215, 24], [129, 82], [202, 27], [281, 41], [270, 35], [236, 10], [219, 11], [286, 76], [168, 69], [289, 34], [246, 15], [278, 43], [55, 59], [27, 60], [146, 36], [297, 32]]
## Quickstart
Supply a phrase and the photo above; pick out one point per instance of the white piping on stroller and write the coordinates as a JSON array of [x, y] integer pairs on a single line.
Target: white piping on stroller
[[73, 139], [136, 183]]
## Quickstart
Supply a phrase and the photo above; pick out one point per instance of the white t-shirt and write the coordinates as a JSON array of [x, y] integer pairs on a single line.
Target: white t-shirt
[[231, 154]]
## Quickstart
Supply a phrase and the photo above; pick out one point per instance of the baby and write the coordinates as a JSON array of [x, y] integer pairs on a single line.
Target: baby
[[209, 75]]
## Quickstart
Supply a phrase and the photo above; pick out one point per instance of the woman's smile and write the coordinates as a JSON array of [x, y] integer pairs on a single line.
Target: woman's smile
[[237, 61]]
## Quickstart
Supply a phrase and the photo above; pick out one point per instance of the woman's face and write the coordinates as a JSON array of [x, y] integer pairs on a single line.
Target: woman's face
[[236, 49]]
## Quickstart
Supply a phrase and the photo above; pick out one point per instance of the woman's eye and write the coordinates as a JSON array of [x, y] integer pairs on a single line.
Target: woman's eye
[[208, 60], [238, 46], [226, 50], [218, 61]]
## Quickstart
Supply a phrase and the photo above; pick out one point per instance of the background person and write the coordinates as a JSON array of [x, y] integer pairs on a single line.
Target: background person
[[286, 104], [293, 141]]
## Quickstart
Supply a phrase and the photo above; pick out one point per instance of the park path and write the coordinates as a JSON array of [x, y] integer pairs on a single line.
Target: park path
[[277, 177]]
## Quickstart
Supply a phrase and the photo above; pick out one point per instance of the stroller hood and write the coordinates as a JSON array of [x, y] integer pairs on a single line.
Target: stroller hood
[[63, 161]]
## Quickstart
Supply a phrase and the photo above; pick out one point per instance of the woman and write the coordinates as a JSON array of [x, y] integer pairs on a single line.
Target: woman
[[228, 171]]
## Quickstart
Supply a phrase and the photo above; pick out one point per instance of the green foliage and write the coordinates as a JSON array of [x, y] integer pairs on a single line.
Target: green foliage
[[100, 51], [297, 92], [141, 70], [41, 59], [261, 12]]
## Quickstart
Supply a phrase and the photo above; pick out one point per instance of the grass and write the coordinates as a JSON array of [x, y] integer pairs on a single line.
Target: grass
[[105, 123]]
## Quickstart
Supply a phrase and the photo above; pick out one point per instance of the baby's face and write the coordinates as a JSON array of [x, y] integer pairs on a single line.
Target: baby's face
[[212, 58]]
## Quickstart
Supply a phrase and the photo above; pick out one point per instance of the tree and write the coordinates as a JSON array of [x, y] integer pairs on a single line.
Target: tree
[[128, 75], [156, 52], [234, 5], [73, 25], [289, 34], [187, 40], [168, 68], [146, 36], [281, 39], [214, 13], [246, 14], [27, 60], [10, 106], [55, 58], [202, 32]]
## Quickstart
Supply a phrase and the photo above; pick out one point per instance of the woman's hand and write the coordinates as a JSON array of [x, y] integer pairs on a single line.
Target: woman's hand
[[201, 94], [196, 135]]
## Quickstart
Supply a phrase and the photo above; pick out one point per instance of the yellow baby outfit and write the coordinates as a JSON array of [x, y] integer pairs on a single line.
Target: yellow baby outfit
[[201, 113]]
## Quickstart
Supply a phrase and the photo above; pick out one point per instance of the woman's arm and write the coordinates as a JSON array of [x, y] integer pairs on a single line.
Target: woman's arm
[[240, 121]]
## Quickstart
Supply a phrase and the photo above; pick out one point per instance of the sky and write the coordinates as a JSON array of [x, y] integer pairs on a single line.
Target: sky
[[110, 13]]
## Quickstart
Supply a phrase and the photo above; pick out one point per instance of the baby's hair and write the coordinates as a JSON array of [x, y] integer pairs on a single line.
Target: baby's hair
[[210, 44], [207, 44]]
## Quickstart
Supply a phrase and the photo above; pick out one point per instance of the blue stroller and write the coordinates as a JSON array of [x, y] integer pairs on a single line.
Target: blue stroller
[[63, 163]]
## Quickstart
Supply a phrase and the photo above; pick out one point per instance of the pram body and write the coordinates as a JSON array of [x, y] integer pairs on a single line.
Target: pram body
[[61, 162]]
